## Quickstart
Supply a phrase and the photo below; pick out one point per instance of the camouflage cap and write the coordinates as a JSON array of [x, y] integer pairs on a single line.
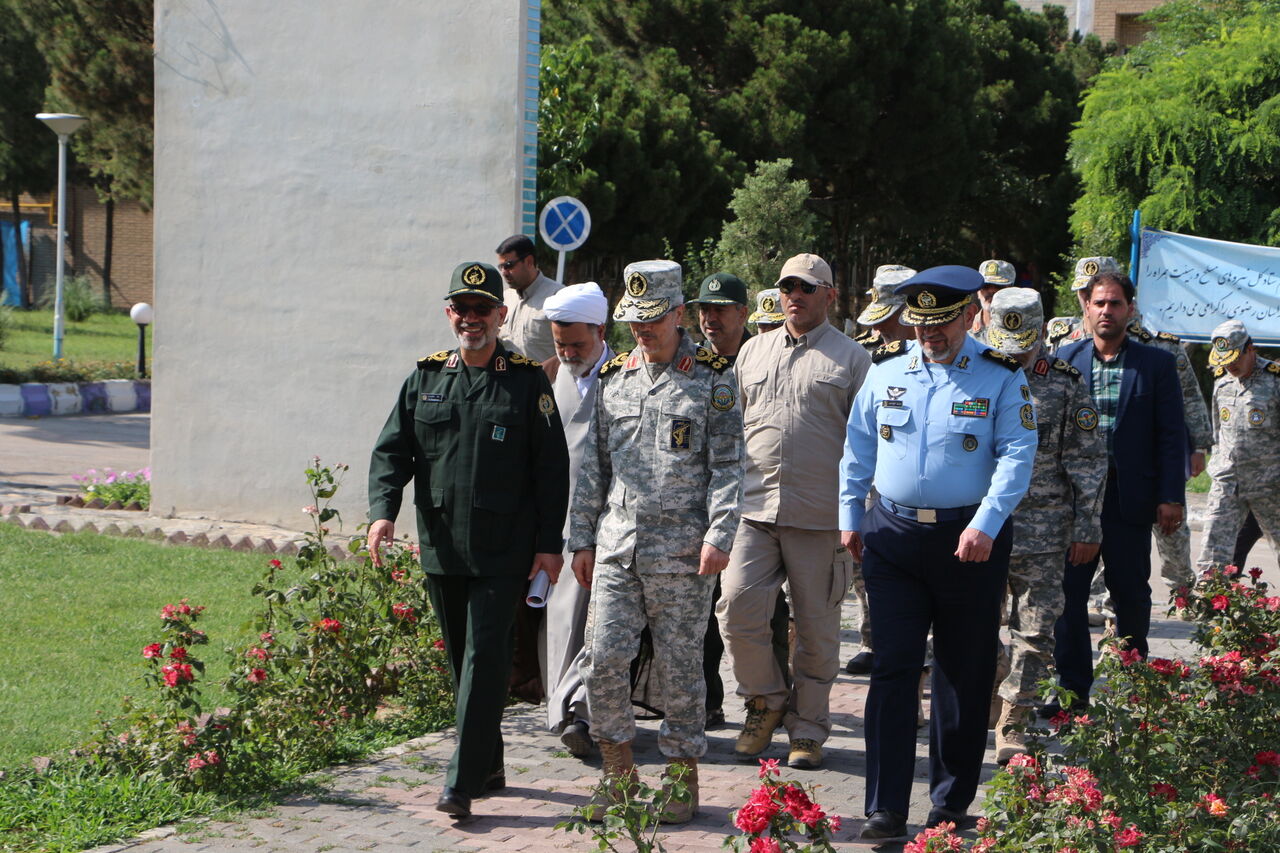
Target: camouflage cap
[[768, 304], [1087, 268], [938, 295], [999, 273], [721, 288], [652, 289], [805, 267], [1229, 340], [888, 277], [1017, 320], [472, 278]]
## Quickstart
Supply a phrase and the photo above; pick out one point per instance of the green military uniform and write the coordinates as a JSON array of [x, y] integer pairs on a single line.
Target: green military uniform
[[486, 451]]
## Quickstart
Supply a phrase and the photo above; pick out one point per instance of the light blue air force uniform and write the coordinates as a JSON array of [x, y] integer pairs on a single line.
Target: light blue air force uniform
[[940, 436]]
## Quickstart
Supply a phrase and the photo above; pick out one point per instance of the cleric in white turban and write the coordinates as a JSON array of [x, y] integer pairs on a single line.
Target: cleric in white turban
[[578, 303]]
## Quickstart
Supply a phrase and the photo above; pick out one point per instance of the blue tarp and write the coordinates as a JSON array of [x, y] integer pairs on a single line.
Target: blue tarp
[[9, 293]]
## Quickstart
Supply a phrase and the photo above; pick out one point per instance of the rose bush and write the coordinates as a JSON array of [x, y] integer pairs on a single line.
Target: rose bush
[[782, 816]]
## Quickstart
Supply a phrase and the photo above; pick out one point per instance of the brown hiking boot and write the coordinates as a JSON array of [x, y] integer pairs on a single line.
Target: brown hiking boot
[[757, 731], [677, 811], [1010, 742], [806, 754], [619, 780]]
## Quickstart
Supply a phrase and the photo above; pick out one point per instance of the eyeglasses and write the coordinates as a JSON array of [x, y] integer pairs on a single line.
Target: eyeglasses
[[479, 309], [508, 266], [789, 285]]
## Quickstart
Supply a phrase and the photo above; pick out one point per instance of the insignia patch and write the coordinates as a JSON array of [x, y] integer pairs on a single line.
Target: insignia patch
[[453, 360], [972, 408], [888, 351], [1026, 392], [517, 358], [1042, 367], [1182, 362], [768, 305], [1225, 414], [990, 268], [1091, 268], [473, 275], [718, 363], [970, 443], [1001, 358], [1028, 415], [713, 286], [637, 284], [926, 299], [722, 397], [895, 391], [1058, 328], [680, 430], [886, 432], [633, 362], [433, 398], [1273, 367], [891, 404], [963, 363], [1256, 417], [499, 433], [1012, 321], [685, 364], [1086, 418], [546, 405], [1219, 371], [914, 363], [500, 365]]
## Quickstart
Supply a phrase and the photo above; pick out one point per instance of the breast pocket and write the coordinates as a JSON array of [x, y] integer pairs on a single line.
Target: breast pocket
[[893, 425], [504, 440], [434, 425], [968, 441]]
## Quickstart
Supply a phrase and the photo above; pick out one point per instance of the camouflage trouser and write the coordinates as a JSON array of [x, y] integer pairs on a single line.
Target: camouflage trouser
[[1225, 513], [675, 607], [1175, 556], [1035, 603]]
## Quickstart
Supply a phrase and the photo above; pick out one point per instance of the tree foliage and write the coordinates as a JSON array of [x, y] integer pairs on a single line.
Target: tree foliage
[[25, 153], [100, 54], [1187, 129], [770, 224]]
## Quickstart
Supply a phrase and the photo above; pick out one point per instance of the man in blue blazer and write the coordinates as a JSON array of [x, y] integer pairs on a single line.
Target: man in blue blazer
[[1139, 401]]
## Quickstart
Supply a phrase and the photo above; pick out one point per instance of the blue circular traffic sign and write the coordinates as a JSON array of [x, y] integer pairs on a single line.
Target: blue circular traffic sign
[[564, 223]]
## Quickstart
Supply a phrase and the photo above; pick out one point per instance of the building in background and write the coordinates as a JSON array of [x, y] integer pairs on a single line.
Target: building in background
[[1109, 20]]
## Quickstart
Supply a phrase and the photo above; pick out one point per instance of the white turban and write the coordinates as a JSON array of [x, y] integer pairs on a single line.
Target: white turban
[[577, 303]]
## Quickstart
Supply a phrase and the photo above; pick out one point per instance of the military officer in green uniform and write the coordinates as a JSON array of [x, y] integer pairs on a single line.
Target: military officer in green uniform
[[476, 429]]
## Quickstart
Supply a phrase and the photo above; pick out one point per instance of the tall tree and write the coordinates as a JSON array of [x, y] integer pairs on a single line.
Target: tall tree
[[1186, 128], [25, 155], [770, 223]]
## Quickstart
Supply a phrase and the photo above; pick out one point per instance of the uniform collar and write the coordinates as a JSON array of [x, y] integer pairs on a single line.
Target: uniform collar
[[964, 361], [499, 362], [683, 361], [540, 283], [809, 338]]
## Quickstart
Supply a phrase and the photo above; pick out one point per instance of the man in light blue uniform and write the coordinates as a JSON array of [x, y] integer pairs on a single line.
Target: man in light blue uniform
[[946, 429]]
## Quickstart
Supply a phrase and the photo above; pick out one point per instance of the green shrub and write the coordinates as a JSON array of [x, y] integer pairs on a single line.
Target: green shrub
[[6, 323], [80, 300], [67, 370], [123, 486]]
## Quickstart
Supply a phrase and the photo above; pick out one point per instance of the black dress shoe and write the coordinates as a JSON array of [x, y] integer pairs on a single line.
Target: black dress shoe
[[454, 802], [860, 664], [939, 814], [885, 825]]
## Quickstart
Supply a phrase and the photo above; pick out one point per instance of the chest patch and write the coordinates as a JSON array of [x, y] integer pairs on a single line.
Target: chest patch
[[977, 408], [722, 398], [886, 432], [680, 433], [970, 443], [1225, 414], [891, 404], [1028, 415], [499, 433], [433, 398], [1086, 418], [1256, 417], [895, 392]]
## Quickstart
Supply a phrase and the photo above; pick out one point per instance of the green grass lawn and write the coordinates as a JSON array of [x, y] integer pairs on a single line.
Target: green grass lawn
[[107, 337], [77, 610]]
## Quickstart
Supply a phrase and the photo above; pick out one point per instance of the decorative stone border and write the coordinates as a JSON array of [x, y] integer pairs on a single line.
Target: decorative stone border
[[78, 501], [39, 399]]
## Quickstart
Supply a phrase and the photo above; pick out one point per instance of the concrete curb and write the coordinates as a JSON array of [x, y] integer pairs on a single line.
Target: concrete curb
[[40, 399]]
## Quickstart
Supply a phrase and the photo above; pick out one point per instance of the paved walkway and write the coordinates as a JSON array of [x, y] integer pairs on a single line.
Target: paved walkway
[[387, 804]]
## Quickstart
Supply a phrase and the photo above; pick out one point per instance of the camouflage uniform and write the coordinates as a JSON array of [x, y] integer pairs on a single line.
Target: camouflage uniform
[[1246, 464], [660, 474], [1062, 505]]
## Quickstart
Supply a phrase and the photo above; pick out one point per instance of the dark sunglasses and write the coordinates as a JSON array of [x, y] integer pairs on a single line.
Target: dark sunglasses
[[507, 266], [790, 284], [479, 309]]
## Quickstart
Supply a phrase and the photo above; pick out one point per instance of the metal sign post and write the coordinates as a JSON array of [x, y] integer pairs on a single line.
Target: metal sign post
[[564, 225]]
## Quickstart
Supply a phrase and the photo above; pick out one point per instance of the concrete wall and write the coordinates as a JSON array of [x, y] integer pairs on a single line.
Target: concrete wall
[[320, 169]]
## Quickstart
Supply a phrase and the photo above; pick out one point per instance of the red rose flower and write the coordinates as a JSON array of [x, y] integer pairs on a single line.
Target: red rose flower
[[1220, 602], [153, 651], [178, 653], [1128, 837], [256, 676]]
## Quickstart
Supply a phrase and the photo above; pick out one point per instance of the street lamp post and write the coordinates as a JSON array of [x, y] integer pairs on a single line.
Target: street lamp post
[[142, 314], [63, 124]]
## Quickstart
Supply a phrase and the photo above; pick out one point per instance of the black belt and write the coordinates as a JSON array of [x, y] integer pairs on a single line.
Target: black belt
[[930, 516]]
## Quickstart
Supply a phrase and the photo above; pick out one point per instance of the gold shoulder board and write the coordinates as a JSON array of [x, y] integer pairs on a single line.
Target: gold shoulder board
[[1002, 359], [436, 359], [614, 363], [1059, 364], [888, 351]]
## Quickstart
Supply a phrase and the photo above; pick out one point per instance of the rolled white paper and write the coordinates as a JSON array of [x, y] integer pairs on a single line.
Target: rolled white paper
[[538, 587]]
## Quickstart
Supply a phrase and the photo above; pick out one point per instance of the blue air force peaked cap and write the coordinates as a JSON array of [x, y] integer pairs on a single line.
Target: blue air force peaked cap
[[937, 295]]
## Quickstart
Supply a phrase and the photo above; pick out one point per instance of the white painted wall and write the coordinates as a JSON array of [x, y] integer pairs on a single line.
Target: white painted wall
[[320, 169]]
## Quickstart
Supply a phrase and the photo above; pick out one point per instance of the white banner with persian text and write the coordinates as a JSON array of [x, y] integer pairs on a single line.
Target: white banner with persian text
[[1188, 285]]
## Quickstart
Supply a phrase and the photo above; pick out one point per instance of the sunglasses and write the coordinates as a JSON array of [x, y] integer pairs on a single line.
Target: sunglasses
[[790, 284], [508, 266], [479, 309]]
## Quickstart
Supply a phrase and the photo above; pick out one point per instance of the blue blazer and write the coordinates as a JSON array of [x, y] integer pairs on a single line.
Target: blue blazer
[[1149, 447]]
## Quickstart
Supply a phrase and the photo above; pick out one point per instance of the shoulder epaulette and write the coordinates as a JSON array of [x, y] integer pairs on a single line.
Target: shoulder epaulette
[[1220, 371], [1141, 334], [614, 363], [1003, 359], [433, 361], [1059, 364], [888, 351], [718, 363], [870, 336], [1165, 336], [1058, 329], [517, 358], [1272, 367]]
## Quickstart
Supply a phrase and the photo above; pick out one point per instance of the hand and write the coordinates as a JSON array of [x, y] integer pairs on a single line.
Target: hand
[[975, 546], [379, 532], [1169, 517], [852, 540], [1082, 552], [549, 563], [713, 560], [584, 564], [1197, 463]]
